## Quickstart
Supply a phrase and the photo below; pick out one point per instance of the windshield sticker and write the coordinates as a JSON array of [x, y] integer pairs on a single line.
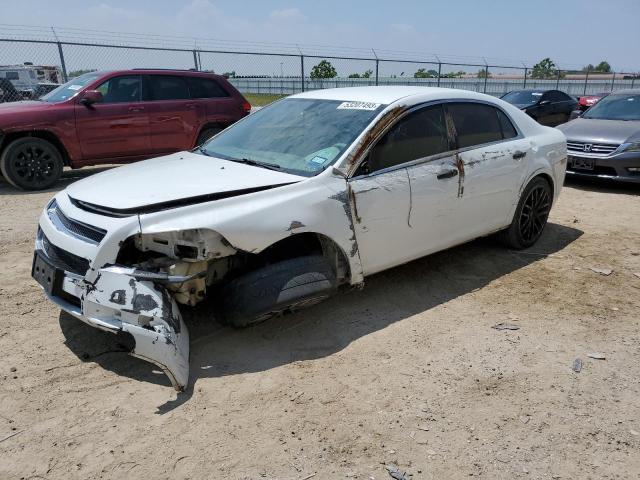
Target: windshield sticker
[[318, 159], [358, 106], [74, 87]]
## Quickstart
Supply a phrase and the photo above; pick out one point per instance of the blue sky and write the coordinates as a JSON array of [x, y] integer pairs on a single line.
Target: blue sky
[[572, 32]]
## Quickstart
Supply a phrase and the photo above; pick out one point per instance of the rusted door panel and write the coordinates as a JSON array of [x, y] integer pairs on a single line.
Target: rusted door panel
[[491, 181], [435, 204], [380, 209]]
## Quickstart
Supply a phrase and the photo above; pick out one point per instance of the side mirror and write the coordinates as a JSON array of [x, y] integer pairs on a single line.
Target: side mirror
[[575, 114], [89, 97]]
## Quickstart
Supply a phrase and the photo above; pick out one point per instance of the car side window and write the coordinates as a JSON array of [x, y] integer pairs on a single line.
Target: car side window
[[508, 130], [121, 89], [475, 123], [418, 135], [205, 88], [167, 87]]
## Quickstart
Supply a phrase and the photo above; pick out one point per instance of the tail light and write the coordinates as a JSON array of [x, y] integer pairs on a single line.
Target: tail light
[[246, 106]]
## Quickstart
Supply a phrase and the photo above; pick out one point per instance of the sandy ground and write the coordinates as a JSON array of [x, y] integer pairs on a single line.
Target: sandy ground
[[407, 370]]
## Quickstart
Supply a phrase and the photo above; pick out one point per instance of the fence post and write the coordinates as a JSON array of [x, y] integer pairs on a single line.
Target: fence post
[[586, 80], [633, 80], [302, 70], [195, 60], [62, 64], [377, 68], [486, 77], [439, 72], [558, 80], [613, 80], [524, 83]]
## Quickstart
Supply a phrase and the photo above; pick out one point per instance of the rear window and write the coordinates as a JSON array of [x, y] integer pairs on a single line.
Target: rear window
[[475, 124], [12, 76], [167, 87], [205, 88]]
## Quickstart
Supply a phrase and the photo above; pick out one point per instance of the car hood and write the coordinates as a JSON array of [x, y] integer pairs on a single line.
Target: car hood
[[22, 106], [171, 181], [601, 131]]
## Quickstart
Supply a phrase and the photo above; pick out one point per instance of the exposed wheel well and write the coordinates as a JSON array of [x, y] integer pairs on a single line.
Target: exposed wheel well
[[44, 135], [308, 243]]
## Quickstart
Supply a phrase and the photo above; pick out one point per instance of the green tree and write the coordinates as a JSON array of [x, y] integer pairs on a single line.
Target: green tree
[[354, 75], [603, 67], [423, 73], [482, 73], [324, 69], [367, 74], [588, 68], [546, 68], [230, 74]]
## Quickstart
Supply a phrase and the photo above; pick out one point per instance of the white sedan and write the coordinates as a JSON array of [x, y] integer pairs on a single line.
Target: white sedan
[[273, 214]]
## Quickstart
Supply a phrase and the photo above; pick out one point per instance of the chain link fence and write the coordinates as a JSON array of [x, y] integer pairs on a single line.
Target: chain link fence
[[34, 60]]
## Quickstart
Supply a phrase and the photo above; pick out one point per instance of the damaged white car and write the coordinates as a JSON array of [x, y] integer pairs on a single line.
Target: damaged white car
[[275, 213]]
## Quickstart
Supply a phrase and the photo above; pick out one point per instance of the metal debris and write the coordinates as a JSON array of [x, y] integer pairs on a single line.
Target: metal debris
[[597, 356], [577, 365], [395, 472], [506, 326], [11, 435], [602, 271]]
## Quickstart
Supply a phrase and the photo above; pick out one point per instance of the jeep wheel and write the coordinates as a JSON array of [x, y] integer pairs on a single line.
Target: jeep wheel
[[276, 289], [207, 133], [31, 163]]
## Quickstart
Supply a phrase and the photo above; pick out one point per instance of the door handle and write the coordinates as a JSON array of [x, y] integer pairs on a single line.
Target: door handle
[[448, 174], [518, 155], [136, 109]]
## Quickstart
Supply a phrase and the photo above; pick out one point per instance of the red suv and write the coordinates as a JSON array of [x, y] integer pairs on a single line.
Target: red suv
[[112, 117]]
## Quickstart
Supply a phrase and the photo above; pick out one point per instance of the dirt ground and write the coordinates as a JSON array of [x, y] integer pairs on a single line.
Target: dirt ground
[[407, 371]]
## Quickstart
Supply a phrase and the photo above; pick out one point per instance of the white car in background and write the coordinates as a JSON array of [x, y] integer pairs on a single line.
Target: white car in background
[[273, 214]]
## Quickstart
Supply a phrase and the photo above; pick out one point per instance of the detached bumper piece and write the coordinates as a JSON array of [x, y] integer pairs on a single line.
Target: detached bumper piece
[[118, 302]]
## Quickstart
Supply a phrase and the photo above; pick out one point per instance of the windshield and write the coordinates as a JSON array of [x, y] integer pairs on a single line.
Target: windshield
[[520, 97], [69, 89], [616, 107], [300, 136]]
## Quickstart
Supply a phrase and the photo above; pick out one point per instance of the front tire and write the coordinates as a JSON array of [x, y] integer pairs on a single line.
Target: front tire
[[530, 217], [31, 163], [206, 134], [276, 289]]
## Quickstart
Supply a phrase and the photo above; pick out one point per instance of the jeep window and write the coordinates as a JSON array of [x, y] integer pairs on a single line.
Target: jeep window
[[123, 89], [205, 88], [616, 107], [301, 136], [418, 135], [12, 76], [69, 89], [475, 123], [167, 87]]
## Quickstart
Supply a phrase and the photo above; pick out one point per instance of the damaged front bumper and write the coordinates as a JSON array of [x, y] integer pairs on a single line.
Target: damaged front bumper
[[119, 301]]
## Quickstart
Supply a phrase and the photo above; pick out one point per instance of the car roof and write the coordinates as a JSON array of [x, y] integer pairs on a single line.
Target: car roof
[[157, 71], [390, 94]]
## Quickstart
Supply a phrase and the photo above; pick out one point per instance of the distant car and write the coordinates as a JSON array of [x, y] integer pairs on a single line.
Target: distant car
[[113, 117], [587, 101], [43, 88], [311, 192], [547, 107], [605, 141], [8, 92]]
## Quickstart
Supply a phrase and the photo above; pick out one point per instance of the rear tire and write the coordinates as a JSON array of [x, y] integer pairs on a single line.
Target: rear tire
[[530, 217], [207, 133], [31, 163], [276, 289]]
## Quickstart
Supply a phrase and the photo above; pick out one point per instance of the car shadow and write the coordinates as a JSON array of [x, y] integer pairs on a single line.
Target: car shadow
[[329, 327], [68, 177], [602, 185]]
